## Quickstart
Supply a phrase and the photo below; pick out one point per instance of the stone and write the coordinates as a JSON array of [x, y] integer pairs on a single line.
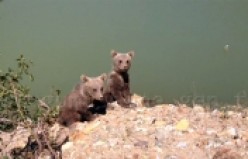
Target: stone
[[4, 138], [159, 123], [215, 113], [141, 144], [71, 150], [233, 132], [225, 153], [19, 139], [198, 109], [181, 145], [58, 134], [45, 155], [138, 100], [112, 142], [211, 132], [182, 125], [230, 113]]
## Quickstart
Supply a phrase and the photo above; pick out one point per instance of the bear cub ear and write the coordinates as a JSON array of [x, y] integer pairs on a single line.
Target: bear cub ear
[[84, 78], [103, 76], [113, 53], [131, 53]]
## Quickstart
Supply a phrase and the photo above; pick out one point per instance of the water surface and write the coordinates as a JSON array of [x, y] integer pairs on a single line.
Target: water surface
[[179, 44]]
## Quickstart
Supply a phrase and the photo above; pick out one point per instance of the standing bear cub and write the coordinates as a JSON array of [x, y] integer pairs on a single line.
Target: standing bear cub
[[76, 105], [118, 84]]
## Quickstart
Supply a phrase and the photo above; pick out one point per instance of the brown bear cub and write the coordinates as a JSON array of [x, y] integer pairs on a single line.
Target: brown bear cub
[[76, 105], [118, 84]]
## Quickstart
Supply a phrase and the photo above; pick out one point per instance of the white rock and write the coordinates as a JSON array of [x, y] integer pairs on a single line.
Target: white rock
[[99, 143], [67, 146], [58, 134], [182, 145], [138, 100], [233, 132], [113, 142], [211, 132], [215, 113], [172, 157], [198, 108], [190, 130], [213, 144], [127, 146], [230, 113], [140, 109], [139, 129], [19, 139], [228, 143]]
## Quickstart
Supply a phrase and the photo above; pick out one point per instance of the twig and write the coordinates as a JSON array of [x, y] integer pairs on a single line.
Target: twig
[[48, 144], [36, 136], [43, 104], [17, 102], [5, 121]]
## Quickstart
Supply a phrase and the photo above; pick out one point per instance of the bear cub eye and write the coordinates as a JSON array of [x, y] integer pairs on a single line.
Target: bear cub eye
[[127, 62], [101, 89], [120, 61], [94, 89]]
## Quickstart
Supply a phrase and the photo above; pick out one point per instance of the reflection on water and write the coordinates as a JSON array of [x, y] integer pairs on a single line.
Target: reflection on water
[[178, 44]]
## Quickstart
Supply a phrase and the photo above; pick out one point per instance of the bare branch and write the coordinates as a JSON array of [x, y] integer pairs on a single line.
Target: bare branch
[[5, 121], [48, 143], [17, 101], [43, 104]]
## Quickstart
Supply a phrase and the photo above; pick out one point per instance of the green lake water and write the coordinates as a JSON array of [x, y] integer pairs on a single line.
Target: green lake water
[[179, 44]]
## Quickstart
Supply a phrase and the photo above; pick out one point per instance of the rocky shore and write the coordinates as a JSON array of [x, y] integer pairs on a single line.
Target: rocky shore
[[159, 132]]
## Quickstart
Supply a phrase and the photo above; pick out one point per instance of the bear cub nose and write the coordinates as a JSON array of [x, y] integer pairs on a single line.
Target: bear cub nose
[[101, 98]]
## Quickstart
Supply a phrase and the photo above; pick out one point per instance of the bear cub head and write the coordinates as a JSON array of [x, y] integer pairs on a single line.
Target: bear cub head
[[92, 86], [121, 61]]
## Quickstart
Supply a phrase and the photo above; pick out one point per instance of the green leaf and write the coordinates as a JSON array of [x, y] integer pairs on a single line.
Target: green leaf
[[58, 92]]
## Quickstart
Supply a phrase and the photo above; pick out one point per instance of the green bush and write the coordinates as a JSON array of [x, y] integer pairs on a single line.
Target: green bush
[[16, 102]]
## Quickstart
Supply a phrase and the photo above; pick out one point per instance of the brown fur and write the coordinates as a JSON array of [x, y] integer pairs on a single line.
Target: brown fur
[[118, 86], [76, 105]]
